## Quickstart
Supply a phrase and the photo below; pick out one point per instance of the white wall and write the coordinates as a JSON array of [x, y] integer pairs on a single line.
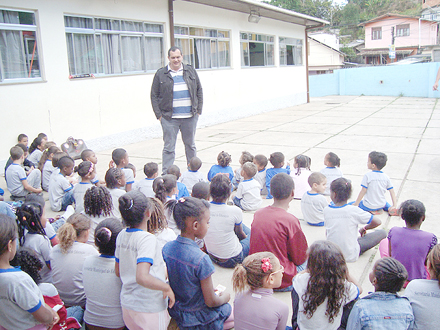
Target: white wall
[[112, 111], [322, 57]]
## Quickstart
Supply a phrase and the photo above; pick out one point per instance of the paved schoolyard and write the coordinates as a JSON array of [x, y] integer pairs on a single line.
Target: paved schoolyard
[[406, 129]]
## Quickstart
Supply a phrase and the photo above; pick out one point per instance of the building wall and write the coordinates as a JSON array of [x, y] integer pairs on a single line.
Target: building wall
[[322, 56], [430, 3], [428, 34], [329, 39], [111, 111]]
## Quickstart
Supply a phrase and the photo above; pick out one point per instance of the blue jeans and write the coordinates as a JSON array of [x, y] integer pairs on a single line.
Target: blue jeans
[[6, 209], [245, 244], [299, 268], [68, 199], [237, 201]]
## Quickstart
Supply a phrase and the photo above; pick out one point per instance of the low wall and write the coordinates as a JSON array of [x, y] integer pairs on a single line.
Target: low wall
[[414, 80]]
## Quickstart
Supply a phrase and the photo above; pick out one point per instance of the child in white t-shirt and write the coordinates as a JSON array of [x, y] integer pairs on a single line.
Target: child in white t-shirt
[[46, 167], [145, 186], [245, 157], [313, 202], [300, 175], [248, 193], [36, 149], [332, 170], [60, 189], [115, 182], [88, 155], [192, 176], [261, 162], [121, 160], [87, 171]]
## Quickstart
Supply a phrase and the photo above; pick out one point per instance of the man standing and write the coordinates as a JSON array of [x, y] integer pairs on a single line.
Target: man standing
[[177, 100]]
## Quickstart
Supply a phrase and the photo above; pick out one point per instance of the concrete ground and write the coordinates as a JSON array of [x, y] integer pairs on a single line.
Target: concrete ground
[[406, 129]]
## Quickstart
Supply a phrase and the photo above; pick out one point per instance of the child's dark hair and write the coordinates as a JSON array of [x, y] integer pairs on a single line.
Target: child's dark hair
[[201, 190], [378, 158], [105, 235], [434, 260], [302, 161], [328, 272], [390, 275], [342, 189], [68, 233], [131, 167], [245, 157], [281, 186], [150, 169], [412, 211], [316, 177], [195, 163], [22, 146], [224, 159], [174, 170], [8, 231], [37, 142], [276, 159], [118, 155], [250, 273], [36, 199], [333, 159], [84, 168], [28, 262], [158, 220], [57, 156], [187, 207], [16, 153], [29, 218], [220, 188], [163, 186], [133, 206], [112, 176], [65, 161], [45, 156], [250, 169], [86, 153], [261, 160], [98, 202], [21, 137]]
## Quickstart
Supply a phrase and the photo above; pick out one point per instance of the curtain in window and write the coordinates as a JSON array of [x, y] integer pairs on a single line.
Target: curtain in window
[[131, 49], [183, 44], [153, 50], [110, 52], [12, 51], [202, 53], [81, 51], [78, 22], [223, 54], [270, 50], [244, 54]]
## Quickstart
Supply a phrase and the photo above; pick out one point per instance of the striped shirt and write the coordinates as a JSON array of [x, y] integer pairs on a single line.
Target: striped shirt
[[181, 96]]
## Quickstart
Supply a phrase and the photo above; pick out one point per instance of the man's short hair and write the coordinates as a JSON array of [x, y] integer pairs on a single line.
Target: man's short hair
[[378, 158], [16, 152], [151, 169], [250, 169], [281, 186], [195, 163], [173, 49], [316, 177]]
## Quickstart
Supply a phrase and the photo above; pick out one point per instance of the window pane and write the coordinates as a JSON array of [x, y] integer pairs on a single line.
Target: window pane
[[244, 54], [210, 33], [110, 52], [214, 63], [131, 53], [289, 55], [9, 17], [154, 28], [183, 44], [195, 31], [131, 26], [298, 57], [282, 54], [270, 51], [202, 53], [26, 18], [223, 54], [256, 53], [81, 53], [107, 24], [181, 30], [78, 22], [244, 36], [12, 53], [223, 34], [154, 53]]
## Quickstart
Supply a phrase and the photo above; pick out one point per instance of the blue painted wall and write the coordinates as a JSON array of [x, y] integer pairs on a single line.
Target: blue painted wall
[[408, 80]]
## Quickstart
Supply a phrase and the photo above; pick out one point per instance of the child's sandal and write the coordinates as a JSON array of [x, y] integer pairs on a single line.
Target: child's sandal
[[394, 212]]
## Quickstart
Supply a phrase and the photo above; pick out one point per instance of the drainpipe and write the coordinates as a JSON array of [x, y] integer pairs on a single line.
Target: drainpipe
[[171, 23], [307, 56], [420, 33]]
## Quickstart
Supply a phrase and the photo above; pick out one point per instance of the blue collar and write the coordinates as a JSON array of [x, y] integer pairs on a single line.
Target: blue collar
[[331, 167], [248, 180], [85, 182], [262, 170], [192, 171], [150, 179], [378, 171], [132, 230], [10, 270], [337, 207], [311, 194], [106, 256], [217, 203]]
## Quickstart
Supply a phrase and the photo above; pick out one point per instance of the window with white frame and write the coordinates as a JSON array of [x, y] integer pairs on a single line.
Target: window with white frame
[[402, 30], [18, 46], [291, 51], [106, 46], [376, 33], [257, 49], [204, 48]]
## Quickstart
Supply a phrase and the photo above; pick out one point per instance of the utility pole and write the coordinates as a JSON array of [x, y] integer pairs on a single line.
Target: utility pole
[[392, 51]]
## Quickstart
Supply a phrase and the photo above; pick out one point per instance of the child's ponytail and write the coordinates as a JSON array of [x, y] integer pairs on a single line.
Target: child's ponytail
[[47, 152], [98, 202], [29, 218], [239, 278], [333, 159], [342, 189], [163, 186], [72, 229], [133, 206], [157, 221]]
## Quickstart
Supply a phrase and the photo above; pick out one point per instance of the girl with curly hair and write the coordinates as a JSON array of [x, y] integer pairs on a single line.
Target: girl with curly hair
[[320, 293], [223, 161]]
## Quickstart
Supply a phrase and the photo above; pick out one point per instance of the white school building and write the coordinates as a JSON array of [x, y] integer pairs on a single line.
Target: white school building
[[84, 68]]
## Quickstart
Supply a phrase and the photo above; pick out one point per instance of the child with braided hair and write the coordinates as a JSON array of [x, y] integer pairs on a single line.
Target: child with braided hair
[[157, 224], [256, 308], [87, 171], [383, 309]]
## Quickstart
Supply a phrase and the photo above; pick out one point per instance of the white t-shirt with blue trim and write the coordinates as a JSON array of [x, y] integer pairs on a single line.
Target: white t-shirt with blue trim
[[312, 207], [14, 176], [377, 183]]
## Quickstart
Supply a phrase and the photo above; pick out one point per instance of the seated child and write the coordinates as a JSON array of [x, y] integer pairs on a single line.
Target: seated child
[[223, 159], [248, 193], [261, 162], [383, 309], [56, 157], [424, 294], [227, 239], [121, 160], [313, 202], [201, 190], [87, 171], [88, 155], [256, 308], [36, 149], [28, 166], [245, 157], [320, 293], [190, 272], [23, 139], [277, 161], [22, 303], [182, 191], [101, 285], [19, 185], [165, 187], [51, 233], [157, 224], [278, 231], [341, 221], [332, 171], [145, 186], [60, 189], [115, 182], [46, 167], [409, 244], [300, 177], [192, 176], [374, 185]]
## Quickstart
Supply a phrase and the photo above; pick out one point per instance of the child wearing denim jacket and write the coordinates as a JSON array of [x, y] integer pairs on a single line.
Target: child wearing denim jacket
[[384, 309]]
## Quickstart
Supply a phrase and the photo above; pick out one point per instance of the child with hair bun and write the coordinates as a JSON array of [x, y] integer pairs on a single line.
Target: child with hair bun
[[87, 171], [140, 266], [256, 308], [320, 293], [332, 170], [223, 160], [190, 272], [424, 294], [409, 244], [101, 285], [67, 259], [383, 309]]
